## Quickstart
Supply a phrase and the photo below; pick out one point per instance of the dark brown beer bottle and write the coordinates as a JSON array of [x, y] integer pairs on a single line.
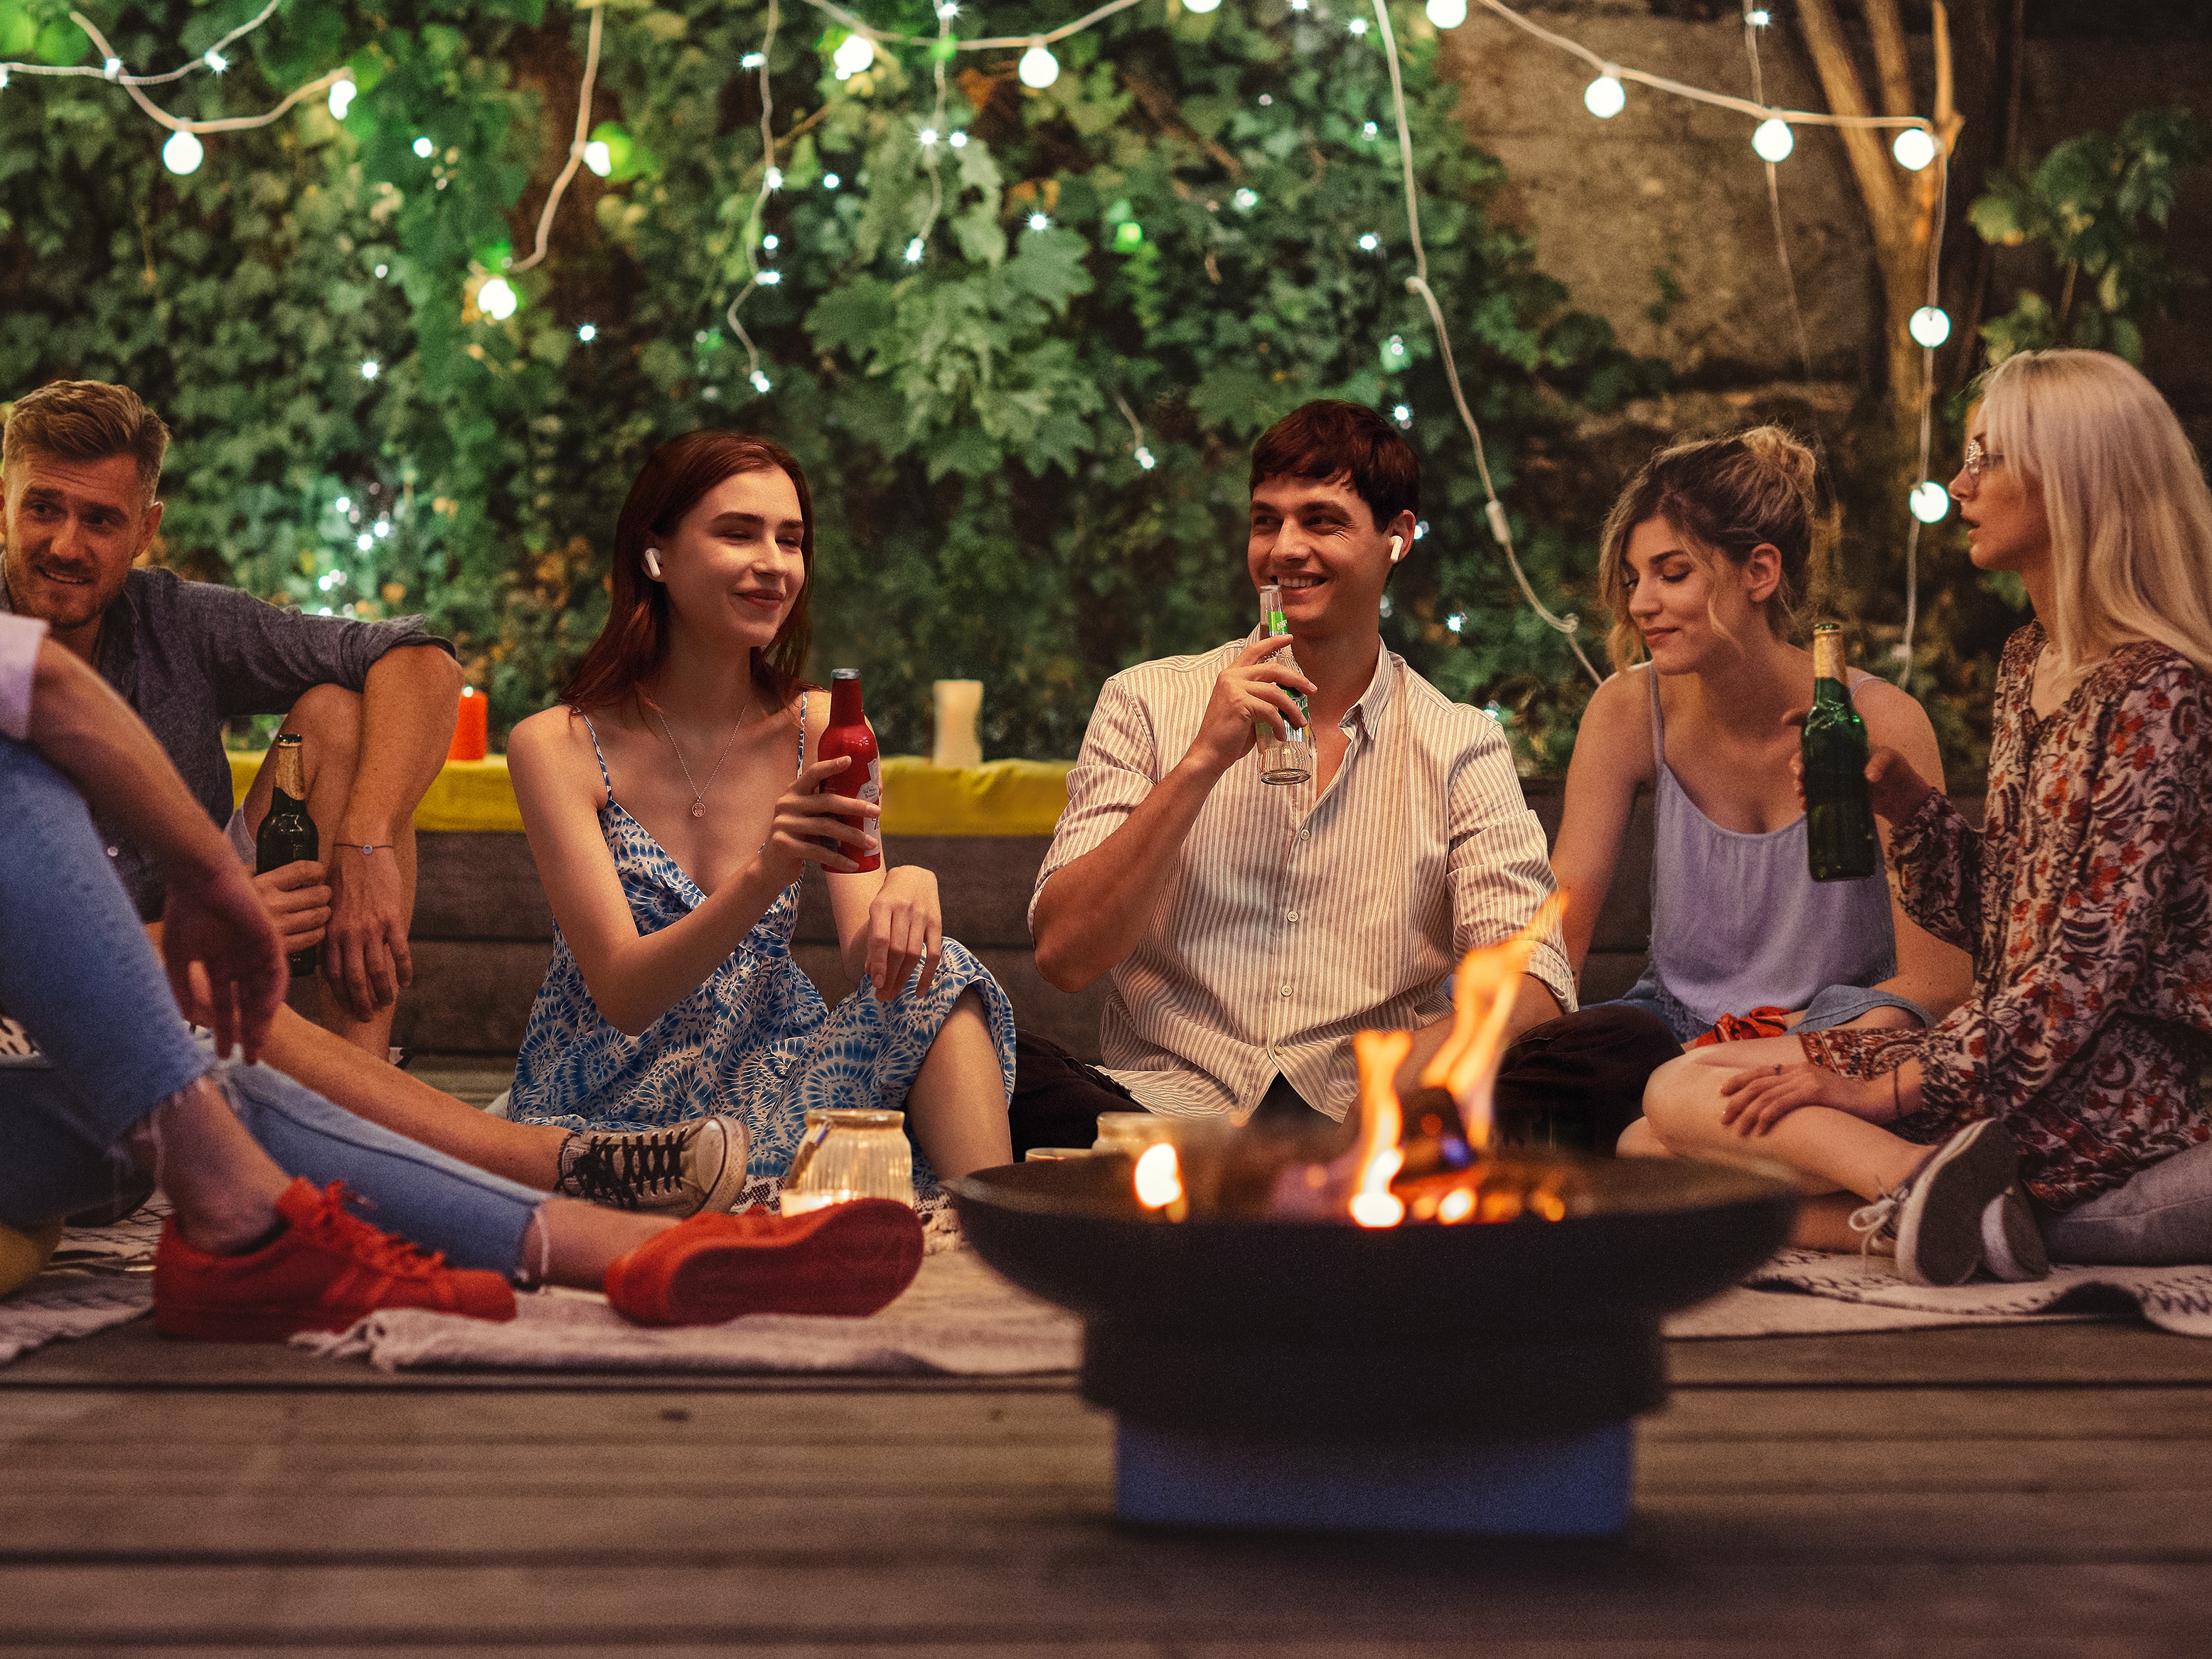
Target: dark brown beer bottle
[[288, 834]]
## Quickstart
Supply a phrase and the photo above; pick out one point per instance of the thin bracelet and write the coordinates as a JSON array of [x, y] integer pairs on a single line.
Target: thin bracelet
[[365, 848]]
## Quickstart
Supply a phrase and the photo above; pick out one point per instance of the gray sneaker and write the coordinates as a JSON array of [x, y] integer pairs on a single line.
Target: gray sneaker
[[1935, 1216], [2012, 1242], [698, 1164]]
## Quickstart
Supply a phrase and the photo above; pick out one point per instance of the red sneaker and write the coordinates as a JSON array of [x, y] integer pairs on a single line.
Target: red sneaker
[[323, 1272], [850, 1259]]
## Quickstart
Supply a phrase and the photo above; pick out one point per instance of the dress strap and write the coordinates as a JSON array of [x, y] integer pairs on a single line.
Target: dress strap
[[596, 755]]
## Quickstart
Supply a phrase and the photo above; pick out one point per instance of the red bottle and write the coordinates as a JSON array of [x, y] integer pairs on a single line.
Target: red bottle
[[847, 734]]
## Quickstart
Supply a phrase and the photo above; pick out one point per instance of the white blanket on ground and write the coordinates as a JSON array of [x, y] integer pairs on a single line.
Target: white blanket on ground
[[1808, 1292], [958, 1319], [59, 1304]]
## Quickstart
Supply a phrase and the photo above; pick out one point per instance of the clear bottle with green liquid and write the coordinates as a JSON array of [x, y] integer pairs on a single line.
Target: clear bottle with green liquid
[[1839, 832], [1282, 760]]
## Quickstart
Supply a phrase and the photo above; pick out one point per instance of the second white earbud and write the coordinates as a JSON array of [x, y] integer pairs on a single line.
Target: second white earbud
[[1397, 549], [653, 562]]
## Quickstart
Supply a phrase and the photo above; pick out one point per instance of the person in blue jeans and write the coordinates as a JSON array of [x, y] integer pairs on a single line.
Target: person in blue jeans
[[119, 1078]]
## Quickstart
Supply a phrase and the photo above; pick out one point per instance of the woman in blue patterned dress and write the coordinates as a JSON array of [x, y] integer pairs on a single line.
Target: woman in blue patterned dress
[[671, 808]]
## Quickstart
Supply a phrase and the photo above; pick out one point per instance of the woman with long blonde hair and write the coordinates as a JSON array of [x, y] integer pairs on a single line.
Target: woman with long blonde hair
[[2069, 1076]]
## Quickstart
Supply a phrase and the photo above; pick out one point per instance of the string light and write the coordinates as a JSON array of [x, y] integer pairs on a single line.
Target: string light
[[598, 157], [184, 153], [830, 181], [383, 528], [342, 96], [215, 61], [423, 148], [1039, 221], [1403, 415], [1930, 326], [364, 541], [496, 298], [761, 382], [1140, 453], [753, 60], [344, 504], [1246, 199], [1447, 14], [1369, 242], [958, 141], [587, 333], [1359, 26], [1605, 97], [773, 179], [1914, 148], [1773, 141], [854, 55], [926, 137], [1038, 68], [914, 252], [1200, 6], [768, 278], [1931, 503], [370, 369]]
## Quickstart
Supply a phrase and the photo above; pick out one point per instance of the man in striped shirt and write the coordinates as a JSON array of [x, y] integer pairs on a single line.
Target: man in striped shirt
[[1249, 929]]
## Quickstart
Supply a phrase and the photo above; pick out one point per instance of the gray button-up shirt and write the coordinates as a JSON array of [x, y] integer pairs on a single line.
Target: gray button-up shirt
[[187, 656]]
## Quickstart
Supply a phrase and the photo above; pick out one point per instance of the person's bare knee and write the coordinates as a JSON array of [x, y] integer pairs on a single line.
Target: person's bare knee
[[1638, 1140]]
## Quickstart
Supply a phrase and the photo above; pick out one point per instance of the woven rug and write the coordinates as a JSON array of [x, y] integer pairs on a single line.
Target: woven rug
[[958, 1319], [99, 1277], [1809, 1292]]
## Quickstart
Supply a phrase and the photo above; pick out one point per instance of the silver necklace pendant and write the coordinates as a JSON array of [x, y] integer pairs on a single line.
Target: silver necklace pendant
[[698, 808]]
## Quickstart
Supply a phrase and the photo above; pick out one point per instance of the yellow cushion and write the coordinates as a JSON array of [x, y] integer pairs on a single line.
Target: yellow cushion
[[1002, 798], [23, 1252]]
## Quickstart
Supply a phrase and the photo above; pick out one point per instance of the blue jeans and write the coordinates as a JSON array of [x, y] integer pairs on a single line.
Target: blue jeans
[[78, 969], [1838, 1005], [2161, 1218]]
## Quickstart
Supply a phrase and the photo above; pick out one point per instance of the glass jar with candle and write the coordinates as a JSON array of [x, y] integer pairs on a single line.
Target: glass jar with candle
[[1132, 1131], [847, 1154]]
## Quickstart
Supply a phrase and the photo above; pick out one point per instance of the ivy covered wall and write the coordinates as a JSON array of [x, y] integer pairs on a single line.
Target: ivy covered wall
[[1201, 215]]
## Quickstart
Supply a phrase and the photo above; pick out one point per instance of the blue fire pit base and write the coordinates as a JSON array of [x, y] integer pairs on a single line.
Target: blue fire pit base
[[1534, 1485]]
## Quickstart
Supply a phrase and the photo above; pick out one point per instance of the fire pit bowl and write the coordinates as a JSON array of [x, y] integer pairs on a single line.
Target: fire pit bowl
[[1477, 1377]]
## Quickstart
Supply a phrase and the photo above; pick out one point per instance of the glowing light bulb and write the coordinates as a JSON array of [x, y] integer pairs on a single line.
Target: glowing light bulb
[[1359, 26], [771, 241], [773, 177], [382, 527], [927, 137], [344, 504], [1447, 14], [1759, 19], [1369, 242], [587, 333], [1038, 68], [1773, 141], [761, 382], [1605, 97], [370, 369], [424, 148], [1145, 458], [184, 153], [1454, 622], [830, 181], [1368, 129], [215, 60], [853, 54], [364, 541], [1930, 326], [1931, 503], [752, 60], [770, 277], [914, 250], [958, 141], [1201, 6], [598, 157], [1913, 148], [341, 95], [1039, 221], [1402, 414], [496, 300], [1246, 199], [382, 272], [112, 68]]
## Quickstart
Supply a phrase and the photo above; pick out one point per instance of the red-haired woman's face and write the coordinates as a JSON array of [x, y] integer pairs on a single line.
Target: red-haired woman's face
[[733, 569]]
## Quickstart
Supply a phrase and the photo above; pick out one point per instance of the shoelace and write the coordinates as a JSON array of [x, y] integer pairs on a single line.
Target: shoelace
[[370, 1246], [624, 1170], [1871, 1221]]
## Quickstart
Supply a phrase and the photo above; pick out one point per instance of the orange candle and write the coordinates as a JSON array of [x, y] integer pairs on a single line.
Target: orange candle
[[471, 730]]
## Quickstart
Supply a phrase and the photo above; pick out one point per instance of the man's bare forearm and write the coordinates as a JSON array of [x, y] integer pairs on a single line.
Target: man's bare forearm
[[90, 735], [408, 707], [1092, 912]]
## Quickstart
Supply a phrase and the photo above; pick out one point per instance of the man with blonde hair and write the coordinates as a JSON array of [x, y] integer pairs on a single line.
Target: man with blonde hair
[[375, 701]]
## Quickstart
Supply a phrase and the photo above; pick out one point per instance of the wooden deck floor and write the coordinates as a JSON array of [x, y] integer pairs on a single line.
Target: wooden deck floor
[[2009, 1492]]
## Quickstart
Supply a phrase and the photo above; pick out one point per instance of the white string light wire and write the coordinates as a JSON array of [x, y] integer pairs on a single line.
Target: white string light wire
[[1500, 526], [178, 124], [211, 60], [769, 179], [575, 144], [1751, 31], [1140, 453]]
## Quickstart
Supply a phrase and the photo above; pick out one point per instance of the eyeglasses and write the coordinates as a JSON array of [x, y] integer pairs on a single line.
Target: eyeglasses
[[1979, 460]]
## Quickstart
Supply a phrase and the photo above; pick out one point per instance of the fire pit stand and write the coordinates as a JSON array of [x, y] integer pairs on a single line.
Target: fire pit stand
[[1475, 1379]]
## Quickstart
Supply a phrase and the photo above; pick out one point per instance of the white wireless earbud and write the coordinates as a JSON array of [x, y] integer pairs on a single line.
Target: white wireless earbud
[[652, 562], [1397, 549]]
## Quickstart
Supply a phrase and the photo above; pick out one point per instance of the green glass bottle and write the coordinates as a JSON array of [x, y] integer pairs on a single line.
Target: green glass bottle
[[1839, 835], [288, 834]]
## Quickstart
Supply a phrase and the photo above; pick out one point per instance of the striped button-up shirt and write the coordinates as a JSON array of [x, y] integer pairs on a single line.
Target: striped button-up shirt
[[1288, 922]]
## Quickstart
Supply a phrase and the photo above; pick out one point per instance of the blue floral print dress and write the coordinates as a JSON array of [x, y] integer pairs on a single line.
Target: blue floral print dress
[[755, 1041]]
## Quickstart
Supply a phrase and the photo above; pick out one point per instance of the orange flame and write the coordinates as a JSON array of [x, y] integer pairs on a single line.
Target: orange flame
[[1465, 1065], [1158, 1177], [1377, 1157]]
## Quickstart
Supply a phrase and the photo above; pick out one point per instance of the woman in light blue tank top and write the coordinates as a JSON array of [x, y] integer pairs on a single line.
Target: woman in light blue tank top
[[1705, 556]]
